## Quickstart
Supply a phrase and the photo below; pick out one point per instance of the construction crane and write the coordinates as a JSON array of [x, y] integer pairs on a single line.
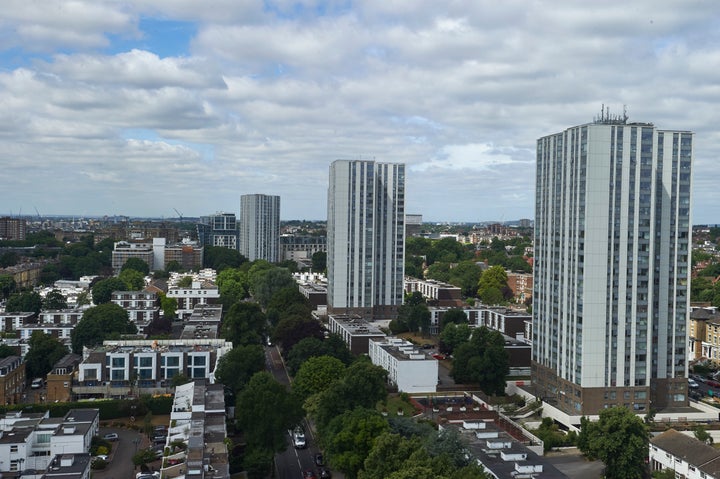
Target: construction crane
[[180, 215]]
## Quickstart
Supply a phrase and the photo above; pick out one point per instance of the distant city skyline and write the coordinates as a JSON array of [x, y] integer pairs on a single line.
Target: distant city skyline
[[142, 108]]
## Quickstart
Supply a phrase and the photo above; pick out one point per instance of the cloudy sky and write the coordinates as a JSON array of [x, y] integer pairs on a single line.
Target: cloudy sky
[[141, 107]]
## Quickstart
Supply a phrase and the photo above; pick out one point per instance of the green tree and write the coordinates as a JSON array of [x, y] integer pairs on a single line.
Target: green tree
[[7, 351], [316, 375], [179, 380], [55, 300], [363, 385], [389, 454], [244, 323], [133, 279], [455, 316], [27, 301], [168, 305], [466, 276], [452, 336], [619, 439], [702, 435], [10, 258], [49, 274], [492, 287], [220, 258], [44, 351], [266, 282], [233, 285], [185, 282], [173, 267], [7, 285], [313, 346], [482, 360], [136, 264], [83, 298], [265, 411], [239, 364], [350, 438], [100, 323], [293, 328], [103, 289], [415, 318], [319, 261]]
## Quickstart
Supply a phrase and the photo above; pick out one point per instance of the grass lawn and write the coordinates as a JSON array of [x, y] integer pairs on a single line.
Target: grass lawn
[[393, 403]]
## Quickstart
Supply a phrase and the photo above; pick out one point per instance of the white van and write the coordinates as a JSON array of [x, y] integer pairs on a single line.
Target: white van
[[37, 383]]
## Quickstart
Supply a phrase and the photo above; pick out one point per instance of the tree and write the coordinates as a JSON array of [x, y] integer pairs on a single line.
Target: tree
[[455, 316], [133, 279], [7, 285], [493, 287], [266, 282], [136, 264], [220, 258], [168, 305], [99, 323], [363, 385], [238, 365], [185, 282], [44, 351], [265, 411], [6, 351], [702, 435], [244, 323], [159, 327], [10, 258], [103, 289], [316, 375], [179, 380], [313, 346], [55, 300], [414, 317], [482, 360], [293, 328], [466, 276], [452, 336], [233, 285], [619, 439], [173, 266], [27, 301], [319, 261], [350, 438]]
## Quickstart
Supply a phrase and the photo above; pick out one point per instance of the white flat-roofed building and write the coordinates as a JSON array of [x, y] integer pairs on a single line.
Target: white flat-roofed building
[[355, 331], [411, 370], [200, 292]]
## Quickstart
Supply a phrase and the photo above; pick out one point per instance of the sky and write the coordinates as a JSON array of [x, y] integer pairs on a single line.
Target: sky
[[145, 107]]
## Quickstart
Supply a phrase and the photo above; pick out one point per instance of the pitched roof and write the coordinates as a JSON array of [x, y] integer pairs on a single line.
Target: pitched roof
[[704, 457]]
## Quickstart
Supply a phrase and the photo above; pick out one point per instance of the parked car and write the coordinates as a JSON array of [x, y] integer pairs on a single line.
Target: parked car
[[319, 460], [37, 383], [713, 384], [309, 475], [324, 473], [113, 436], [692, 384], [439, 356]]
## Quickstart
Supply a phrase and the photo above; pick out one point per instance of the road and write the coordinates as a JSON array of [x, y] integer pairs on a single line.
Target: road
[[291, 463]]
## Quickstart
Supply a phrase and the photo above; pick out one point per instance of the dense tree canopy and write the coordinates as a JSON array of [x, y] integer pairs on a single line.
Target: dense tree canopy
[[133, 279], [619, 439], [245, 323], [482, 360], [292, 329], [239, 364], [103, 289], [137, 264], [319, 261], [220, 258], [266, 282], [452, 336], [313, 346], [265, 411], [350, 437], [44, 351], [233, 285], [98, 323], [55, 300], [493, 287], [7, 285], [27, 301], [316, 375]]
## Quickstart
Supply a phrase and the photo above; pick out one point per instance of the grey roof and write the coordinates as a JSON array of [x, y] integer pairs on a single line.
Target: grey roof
[[687, 448]]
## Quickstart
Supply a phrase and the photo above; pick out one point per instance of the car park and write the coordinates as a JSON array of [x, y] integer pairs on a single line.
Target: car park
[[113, 436]]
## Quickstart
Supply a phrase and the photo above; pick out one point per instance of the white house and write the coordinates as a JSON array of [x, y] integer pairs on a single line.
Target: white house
[[408, 368]]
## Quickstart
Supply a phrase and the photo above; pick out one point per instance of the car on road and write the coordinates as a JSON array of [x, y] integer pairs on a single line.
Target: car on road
[[439, 356], [309, 475], [112, 436], [692, 384], [299, 439], [319, 459], [324, 473]]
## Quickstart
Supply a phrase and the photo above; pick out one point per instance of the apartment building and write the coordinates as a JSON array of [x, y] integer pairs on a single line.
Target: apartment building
[[142, 306], [260, 227], [59, 379], [355, 331], [301, 248], [12, 380], [435, 292], [409, 368], [119, 369], [199, 292]]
